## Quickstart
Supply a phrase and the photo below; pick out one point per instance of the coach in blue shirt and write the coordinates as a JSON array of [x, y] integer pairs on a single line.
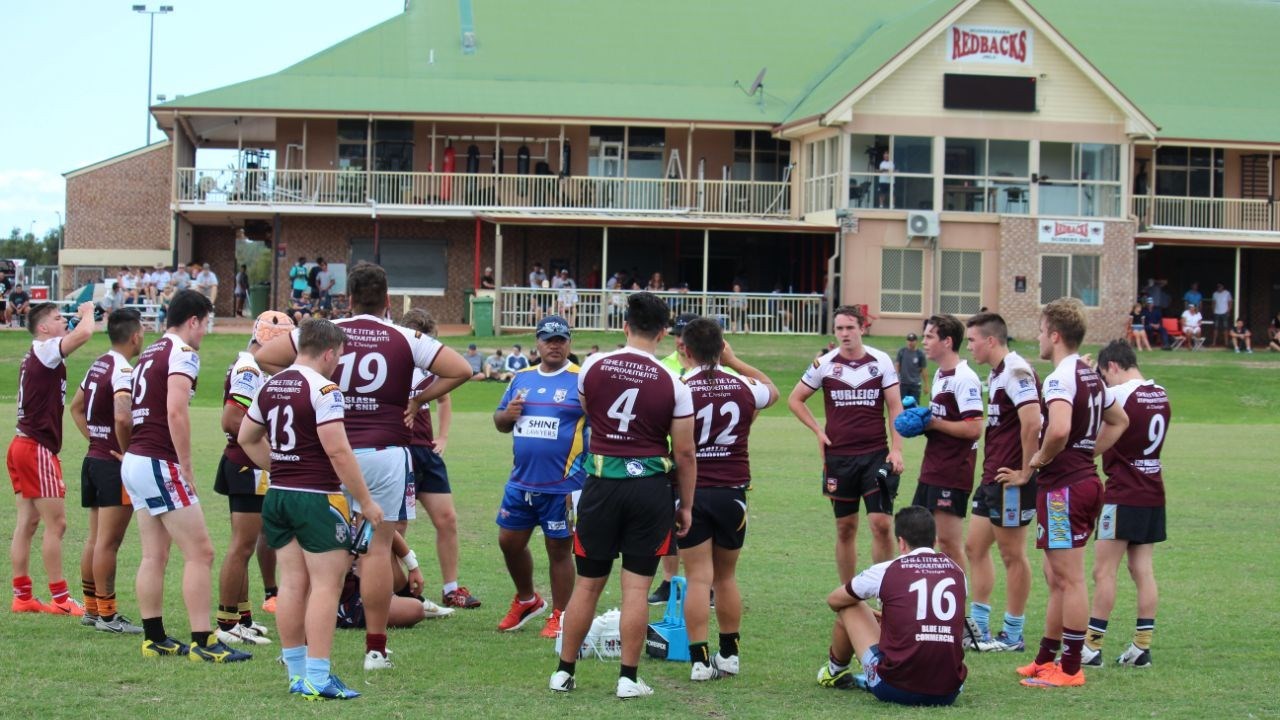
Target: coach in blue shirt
[[1153, 320]]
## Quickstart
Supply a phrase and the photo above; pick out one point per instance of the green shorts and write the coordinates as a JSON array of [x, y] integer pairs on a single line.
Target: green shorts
[[320, 522]]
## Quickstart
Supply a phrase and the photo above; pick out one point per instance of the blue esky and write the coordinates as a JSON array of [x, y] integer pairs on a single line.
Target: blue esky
[[74, 77]]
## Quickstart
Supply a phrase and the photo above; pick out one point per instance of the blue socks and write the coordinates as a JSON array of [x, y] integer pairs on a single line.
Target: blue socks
[[295, 659], [981, 615], [318, 671], [1013, 626]]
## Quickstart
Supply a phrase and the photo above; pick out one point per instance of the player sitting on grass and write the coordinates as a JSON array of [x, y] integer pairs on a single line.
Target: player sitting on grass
[[1132, 519], [912, 655], [296, 430], [408, 607]]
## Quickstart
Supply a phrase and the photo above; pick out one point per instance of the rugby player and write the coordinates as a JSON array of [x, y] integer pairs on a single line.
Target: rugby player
[[859, 464], [541, 410], [633, 404], [725, 406], [677, 362], [158, 475], [296, 430], [408, 608], [1132, 520], [1012, 436], [100, 410], [1081, 419]]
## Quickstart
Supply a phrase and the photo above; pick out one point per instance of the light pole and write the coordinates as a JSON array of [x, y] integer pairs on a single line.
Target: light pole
[[151, 49]]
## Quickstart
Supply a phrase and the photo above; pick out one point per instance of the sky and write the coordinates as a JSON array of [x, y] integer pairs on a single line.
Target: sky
[[74, 79]]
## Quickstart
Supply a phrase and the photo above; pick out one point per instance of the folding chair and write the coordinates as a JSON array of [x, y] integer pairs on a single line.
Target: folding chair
[[1174, 329]]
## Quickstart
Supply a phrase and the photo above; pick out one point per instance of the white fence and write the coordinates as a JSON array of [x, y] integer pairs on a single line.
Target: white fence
[[518, 308], [1222, 214], [430, 189]]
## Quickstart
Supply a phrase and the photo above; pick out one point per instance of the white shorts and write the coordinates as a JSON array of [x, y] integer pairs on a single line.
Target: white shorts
[[388, 472], [155, 485]]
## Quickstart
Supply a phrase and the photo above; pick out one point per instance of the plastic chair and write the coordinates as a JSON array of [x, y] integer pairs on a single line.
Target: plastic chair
[[1174, 329]]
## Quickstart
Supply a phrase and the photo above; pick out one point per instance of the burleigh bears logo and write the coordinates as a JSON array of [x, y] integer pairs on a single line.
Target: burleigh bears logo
[[340, 532], [634, 468]]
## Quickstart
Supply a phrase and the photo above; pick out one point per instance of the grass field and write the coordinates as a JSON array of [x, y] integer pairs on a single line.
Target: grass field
[[1215, 653]]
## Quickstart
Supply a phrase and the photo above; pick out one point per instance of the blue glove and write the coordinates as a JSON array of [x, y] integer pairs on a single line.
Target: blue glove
[[913, 421]]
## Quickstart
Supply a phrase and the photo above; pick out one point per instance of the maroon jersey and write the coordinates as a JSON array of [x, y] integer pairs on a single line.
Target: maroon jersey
[[292, 404], [948, 460], [108, 375], [244, 379], [1010, 385], [922, 597], [42, 391], [422, 433], [166, 356], [1132, 465], [854, 397], [626, 422], [1073, 381], [724, 408], [376, 366]]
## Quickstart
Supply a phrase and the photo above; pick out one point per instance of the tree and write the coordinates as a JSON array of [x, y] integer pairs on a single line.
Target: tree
[[35, 251]]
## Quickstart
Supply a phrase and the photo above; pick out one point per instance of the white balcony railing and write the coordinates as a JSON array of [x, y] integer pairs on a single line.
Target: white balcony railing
[[520, 307], [344, 188], [1207, 214]]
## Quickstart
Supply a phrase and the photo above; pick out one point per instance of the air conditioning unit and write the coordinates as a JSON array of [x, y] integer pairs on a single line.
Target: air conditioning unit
[[922, 223]]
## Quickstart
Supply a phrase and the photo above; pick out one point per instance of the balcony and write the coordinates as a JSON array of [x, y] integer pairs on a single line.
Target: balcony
[[461, 193], [1207, 215]]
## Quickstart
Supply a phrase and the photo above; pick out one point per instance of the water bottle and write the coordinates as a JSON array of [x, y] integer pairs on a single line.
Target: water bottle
[[361, 538]]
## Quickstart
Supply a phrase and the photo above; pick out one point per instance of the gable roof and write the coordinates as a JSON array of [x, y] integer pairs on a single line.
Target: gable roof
[[1201, 69]]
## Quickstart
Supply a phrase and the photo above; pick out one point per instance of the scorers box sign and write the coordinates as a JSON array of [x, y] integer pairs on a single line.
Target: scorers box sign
[[1071, 232], [992, 45]]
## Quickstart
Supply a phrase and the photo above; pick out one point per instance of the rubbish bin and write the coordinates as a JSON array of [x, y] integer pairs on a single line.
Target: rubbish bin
[[258, 298], [466, 305], [482, 316]]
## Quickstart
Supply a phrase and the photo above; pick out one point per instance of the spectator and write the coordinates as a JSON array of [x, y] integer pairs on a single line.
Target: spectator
[[1221, 311], [147, 285], [313, 275], [339, 306], [737, 310], [241, 293], [324, 284], [300, 307], [165, 297], [568, 296], [655, 283], [207, 283], [495, 367], [616, 281], [162, 278], [777, 309], [910, 364], [516, 361], [4, 296], [181, 279], [19, 303], [112, 300], [298, 277], [1137, 336], [1193, 295], [1191, 320], [1153, 321], [129, 281], [884, 180], [594, 349], [537, 281], [486, 280], [1241, 337], [1275, 333], [476, 361]]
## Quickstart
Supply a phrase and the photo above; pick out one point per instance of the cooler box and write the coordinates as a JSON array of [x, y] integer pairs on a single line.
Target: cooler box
[[39, 293], [669, 639]]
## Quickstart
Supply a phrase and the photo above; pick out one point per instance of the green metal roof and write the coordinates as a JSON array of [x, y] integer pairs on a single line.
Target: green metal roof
[[1198, 68]]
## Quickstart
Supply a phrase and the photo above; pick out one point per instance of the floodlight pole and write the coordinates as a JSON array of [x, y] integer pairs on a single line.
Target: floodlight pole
[[151, 50]]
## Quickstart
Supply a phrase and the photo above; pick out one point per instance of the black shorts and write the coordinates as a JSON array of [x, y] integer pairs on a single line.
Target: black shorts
[[100, 484], [989, 501], [719, 515], [240, 483], [633, 517], [848, 479], [429, 472], [910, 390], [1137, 525], [940, 499]]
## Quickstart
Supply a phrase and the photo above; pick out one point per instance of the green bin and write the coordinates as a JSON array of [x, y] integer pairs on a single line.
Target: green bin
[[258, 298], [466, 305], [482, 316]]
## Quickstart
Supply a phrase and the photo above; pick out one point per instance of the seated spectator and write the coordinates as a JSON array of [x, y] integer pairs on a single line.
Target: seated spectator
[[1241, 337], [129, 284], [207, 283], [165, 297], [339, 306], [486, 280], [516, 361], [476, 361], [1153, 321], [300, 308], [1137, 337], [495, 367], [113, 299], [19, 303], [1191, 320]]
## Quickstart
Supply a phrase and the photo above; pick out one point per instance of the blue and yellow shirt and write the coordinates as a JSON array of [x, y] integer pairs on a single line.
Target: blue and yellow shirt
[[550, 435]]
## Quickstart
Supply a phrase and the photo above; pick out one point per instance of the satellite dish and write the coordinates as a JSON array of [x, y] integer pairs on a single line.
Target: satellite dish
[[759, 82]]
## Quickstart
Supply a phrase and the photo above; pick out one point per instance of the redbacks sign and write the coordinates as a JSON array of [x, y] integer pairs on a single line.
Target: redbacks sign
[[994, 45], [1071, 232]]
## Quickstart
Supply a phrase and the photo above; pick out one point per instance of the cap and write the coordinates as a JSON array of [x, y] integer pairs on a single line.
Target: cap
[[682, 320], [553, 326], [270, 324], [911, 336], [472, 346]]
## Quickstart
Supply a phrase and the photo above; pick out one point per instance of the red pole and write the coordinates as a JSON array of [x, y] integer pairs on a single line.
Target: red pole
[[477, 260]]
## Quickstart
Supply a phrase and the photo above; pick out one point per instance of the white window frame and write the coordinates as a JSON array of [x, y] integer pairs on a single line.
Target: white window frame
[[872, 177], [989, 187], [900, 291], [1083, 186], [960, 294], [1071, 260]]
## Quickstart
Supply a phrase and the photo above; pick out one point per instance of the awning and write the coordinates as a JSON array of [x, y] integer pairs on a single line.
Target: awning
[[672, 221]]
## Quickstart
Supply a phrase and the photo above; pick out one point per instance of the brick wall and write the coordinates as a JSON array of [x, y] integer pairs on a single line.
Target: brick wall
[[216, 245], [1020, 252]]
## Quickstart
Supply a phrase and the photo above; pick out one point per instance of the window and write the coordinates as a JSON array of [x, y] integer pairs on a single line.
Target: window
[[824, 168], [392, 145], [991, 176], [1189, 171], [1073, 275], [352, 144], [1080, 179], [411, 263], [960, 282], [758, 156], [891, 171], [901, 280]]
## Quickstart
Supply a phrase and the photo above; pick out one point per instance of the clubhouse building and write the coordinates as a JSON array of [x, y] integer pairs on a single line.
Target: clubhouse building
[[911, 156]]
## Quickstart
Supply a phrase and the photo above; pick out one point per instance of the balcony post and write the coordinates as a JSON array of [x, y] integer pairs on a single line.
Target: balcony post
[[706, 253]]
